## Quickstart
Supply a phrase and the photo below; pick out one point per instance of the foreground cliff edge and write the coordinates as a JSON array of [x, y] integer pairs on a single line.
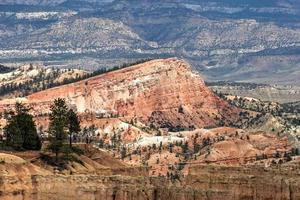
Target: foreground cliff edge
[[22, 180], [181, 141]]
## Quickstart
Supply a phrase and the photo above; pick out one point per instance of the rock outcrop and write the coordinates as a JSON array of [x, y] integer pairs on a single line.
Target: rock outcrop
[[236, 183], [163, 92], [203, 182]]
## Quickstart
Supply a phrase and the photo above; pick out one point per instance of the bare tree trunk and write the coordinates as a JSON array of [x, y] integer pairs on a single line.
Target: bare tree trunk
[[56, 156], [70, 140]]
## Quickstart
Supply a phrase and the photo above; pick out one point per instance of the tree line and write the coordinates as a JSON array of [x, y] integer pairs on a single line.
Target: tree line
[[43, 81]]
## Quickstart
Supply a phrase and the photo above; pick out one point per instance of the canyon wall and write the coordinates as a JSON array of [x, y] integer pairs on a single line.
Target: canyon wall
[[245, 183], [203, 182]]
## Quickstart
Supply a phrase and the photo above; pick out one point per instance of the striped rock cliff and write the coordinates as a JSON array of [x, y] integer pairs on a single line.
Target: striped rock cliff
[[165, 92]]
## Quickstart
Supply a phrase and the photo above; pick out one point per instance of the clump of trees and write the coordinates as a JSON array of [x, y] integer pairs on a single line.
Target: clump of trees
[[63, 123], [20, 131]]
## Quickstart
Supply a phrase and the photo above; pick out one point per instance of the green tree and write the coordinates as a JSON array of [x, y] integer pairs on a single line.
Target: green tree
[[195, 144], [74, 125], [123, 153], [31, 140], [58, 126], [21, 130], [171, 148], [13, 135], [185, 150]]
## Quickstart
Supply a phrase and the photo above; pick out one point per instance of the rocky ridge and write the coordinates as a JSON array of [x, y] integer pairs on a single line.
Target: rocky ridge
[[97, 34], [162, 92], [30, 78]]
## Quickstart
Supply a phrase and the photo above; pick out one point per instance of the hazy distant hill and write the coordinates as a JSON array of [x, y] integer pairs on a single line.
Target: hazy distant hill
[[47, 2], [255, 41]]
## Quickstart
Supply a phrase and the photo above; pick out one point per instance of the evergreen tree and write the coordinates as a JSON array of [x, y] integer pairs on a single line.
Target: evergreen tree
[[123, 153], [185, 150], [171, 148], [21, 130], [74, 125], [195, 144], [113, 140], [31, 140], [13, 135], [160, 146], [58, 126]]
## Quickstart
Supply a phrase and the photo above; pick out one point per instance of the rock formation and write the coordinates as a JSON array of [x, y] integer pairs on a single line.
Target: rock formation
[[164, 92], [203, 182]]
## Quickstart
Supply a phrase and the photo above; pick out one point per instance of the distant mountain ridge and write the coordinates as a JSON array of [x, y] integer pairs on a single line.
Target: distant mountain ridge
[[46, 2], [4, 69], [256, 41]]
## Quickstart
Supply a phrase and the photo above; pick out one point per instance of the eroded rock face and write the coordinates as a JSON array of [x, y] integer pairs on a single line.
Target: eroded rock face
[[256, 182], [203, 182], [163, 92]]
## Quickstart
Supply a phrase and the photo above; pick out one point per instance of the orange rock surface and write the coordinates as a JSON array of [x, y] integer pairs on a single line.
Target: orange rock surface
[[164, 91]]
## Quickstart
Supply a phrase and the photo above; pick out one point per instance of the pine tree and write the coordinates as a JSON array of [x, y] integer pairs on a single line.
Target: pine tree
[[160, 146], [58, 126], [171, 148], [74, 125], [13, 135], [185, 150], [123, 153], [31, 140], [21, 130], [196, 145]]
